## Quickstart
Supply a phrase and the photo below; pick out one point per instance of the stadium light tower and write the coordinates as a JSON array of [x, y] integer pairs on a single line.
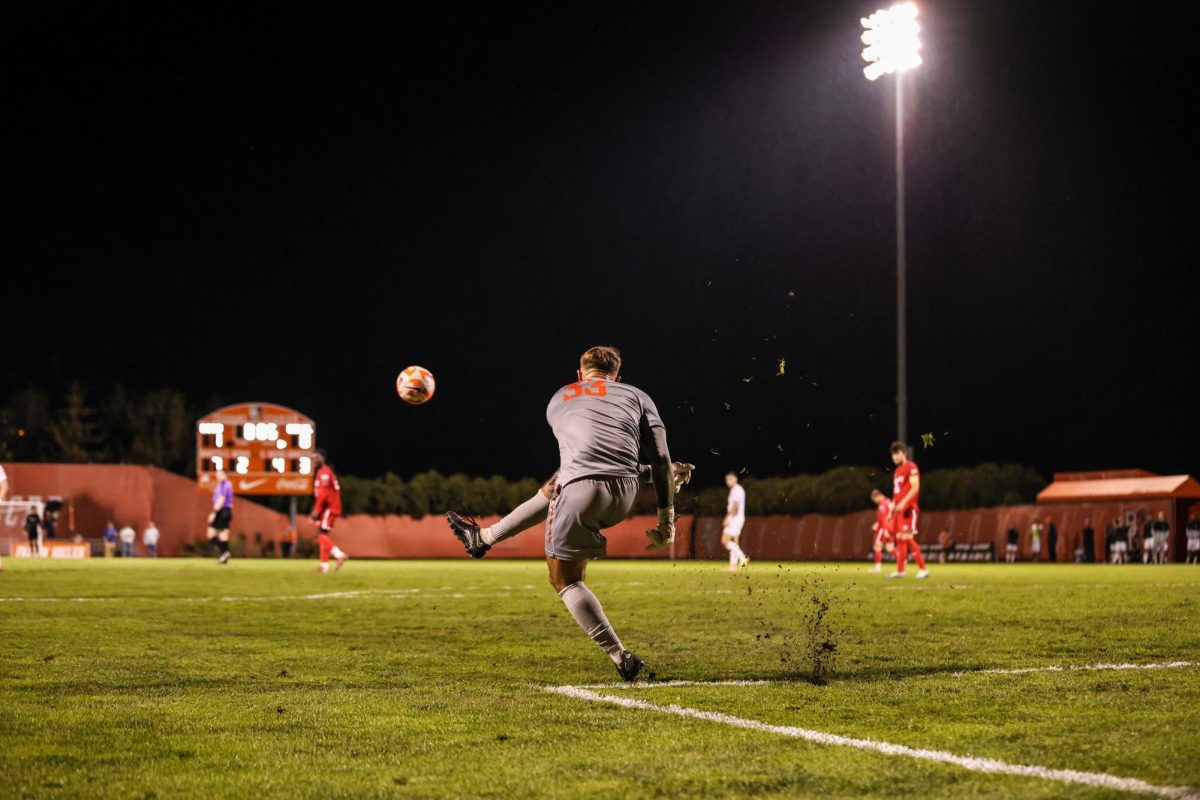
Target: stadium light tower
[[892, 47]]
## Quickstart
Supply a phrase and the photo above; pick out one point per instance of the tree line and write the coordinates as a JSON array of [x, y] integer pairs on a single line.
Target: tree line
[[838, 491], [158, 429]]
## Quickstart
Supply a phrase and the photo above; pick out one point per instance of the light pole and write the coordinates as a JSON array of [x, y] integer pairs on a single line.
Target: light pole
[[892, 47]]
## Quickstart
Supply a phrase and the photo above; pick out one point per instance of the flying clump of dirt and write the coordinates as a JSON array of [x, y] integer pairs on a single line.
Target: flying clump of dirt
[[800, 623]]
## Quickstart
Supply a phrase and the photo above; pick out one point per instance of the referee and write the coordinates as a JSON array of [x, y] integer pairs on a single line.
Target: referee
[[221, 516]]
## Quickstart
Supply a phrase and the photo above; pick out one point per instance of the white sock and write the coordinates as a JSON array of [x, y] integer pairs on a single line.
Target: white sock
[[522, 518], [585, 608]]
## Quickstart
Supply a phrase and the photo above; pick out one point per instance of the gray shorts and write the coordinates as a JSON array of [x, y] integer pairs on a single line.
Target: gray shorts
[[581, 509]]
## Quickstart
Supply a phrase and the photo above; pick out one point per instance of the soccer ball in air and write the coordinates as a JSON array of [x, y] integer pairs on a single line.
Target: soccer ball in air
[[415, 385]]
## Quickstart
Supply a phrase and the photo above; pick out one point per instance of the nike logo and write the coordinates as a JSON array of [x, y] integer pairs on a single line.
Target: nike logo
[[246, 485]]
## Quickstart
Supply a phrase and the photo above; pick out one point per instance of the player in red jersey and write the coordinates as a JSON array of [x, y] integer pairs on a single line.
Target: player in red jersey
[[882, 527], [906, 488], [326, 507]]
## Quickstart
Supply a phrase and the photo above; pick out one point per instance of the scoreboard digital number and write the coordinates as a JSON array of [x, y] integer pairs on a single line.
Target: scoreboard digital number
[[265, 449]]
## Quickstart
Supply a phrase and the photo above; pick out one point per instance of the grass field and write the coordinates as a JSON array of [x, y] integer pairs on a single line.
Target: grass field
[[263, 679]]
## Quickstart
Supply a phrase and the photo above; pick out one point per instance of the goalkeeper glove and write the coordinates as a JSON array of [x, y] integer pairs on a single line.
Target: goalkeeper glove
[[664, 534]]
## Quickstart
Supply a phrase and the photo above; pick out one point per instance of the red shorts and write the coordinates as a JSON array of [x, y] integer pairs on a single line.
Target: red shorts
[[326, 520], [906, 524], [883, 536]]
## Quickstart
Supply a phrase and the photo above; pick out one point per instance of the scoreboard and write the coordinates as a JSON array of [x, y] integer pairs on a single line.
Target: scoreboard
[[264, 448]]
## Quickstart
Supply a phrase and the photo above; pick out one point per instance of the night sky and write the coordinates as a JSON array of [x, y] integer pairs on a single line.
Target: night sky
[[291, 207]]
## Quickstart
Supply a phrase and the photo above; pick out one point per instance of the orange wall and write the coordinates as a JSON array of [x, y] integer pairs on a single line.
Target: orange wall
[[134, 495]]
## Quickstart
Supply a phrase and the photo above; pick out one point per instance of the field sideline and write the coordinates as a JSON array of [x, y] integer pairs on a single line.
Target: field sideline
[[179, 678]]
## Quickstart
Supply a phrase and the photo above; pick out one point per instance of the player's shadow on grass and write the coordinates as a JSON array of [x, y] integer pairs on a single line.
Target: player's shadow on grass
[[868, 675]]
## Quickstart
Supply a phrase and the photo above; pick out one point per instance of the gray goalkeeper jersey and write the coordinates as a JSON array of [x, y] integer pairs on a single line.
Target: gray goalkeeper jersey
[[599, 426]]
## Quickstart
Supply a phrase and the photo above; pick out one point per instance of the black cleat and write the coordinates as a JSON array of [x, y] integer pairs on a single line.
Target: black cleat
[[629, 666], [466, 530]]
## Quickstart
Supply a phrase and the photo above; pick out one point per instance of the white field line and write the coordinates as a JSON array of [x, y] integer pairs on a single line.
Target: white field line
[[668, 684], [972, 763], [228, 598], [1081, 668]]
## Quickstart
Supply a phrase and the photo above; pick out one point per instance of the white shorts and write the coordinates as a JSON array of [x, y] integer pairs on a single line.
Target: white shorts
[[1194, 545], [734, 528], [1120, 547], [1011, 548]]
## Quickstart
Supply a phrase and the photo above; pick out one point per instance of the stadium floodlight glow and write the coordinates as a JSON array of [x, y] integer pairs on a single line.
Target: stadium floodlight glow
[[892, 48], [891, 41]]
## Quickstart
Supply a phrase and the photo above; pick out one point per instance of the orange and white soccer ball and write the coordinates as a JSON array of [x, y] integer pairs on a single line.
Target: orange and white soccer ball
[[415, 385]]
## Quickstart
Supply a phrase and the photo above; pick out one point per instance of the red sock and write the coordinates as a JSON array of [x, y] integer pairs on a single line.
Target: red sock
[[916, 548], [901, 555], [879, 556]]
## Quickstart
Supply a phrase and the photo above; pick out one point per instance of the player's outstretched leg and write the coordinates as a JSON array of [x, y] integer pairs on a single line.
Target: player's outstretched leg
[[567, 578], [478, 541], [466, 530]]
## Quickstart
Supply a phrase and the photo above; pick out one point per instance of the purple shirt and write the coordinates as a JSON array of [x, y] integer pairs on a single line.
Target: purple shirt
[[223, 493], [110, 534]]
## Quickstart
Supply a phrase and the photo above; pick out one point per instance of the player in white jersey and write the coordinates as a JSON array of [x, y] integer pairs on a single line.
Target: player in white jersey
[[735, 519], [602, 426]]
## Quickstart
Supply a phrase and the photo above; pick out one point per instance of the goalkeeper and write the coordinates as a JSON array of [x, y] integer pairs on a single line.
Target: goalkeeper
[[602, 426]]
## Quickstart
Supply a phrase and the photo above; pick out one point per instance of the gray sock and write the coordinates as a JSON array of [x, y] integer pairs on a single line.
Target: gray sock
[[586, 610], [522, 518]]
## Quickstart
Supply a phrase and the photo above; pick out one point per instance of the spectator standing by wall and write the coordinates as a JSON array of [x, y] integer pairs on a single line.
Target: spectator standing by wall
[[944, 545], [110, 539], [49, 523], [1051, 540], [1014, 541], [150, 540], [32, 523], [1089, 542], [1035, 541], [1147, 539], [288, 541], [128, 537], [1161, 536], [1121, 545], [1193, 540]]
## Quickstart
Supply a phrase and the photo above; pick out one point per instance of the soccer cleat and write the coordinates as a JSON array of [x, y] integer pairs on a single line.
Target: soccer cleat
[[466, 530], [224, 559], [876, 568], [896, 575], [744, 561], [342, 560], [923, 573], [629, 666]]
